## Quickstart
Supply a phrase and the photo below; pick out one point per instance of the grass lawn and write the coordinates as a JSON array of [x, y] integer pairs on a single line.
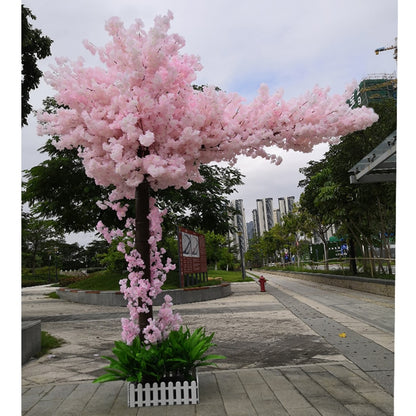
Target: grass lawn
[[106, 280], [48, 342], [228, 276]]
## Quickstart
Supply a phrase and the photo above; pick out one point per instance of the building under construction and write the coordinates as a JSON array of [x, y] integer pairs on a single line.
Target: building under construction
[[373, 89], [380, 164]]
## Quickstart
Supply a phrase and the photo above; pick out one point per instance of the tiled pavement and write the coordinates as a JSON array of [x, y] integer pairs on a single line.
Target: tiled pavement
[[310, 390]]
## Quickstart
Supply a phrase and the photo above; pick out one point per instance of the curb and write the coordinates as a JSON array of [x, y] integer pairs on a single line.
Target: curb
[[31, 339], [116, 298], [383, 287]]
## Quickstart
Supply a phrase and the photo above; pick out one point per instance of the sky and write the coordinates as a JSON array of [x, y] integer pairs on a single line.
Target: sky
[[287, 45]]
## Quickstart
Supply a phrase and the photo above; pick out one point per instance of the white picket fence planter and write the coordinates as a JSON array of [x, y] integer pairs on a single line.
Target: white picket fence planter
[[161, 394]]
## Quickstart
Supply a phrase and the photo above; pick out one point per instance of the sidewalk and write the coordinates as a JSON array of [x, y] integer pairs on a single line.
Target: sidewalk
[[327, 389], [289, 370]]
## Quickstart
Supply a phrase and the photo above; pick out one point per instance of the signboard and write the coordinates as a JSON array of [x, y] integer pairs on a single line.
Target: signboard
[[192, 254]]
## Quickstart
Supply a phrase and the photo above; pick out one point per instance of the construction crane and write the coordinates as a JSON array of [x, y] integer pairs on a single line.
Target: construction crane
[[387, 48]]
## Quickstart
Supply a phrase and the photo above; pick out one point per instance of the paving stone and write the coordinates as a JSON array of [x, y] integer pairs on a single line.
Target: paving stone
[[345, 394], [76, 401], [380, 399], [306, 411], [154, 411], [260, 392], [44, 408], [276, 380], [384, 378], [360, 385], [208, 389], [251, 376], [103, 399], [364, 410], [210, 409], [229, 384], [269, 408], [326, 379], [120, 405], [32, 395], [178, 410], [312, 368], [238, 405], [328, 406], [291, 399], [50, 401], [303, 382], [59, 392]]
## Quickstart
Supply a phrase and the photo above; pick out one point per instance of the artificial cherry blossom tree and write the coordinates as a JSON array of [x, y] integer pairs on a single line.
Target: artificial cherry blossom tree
[[138, 123]]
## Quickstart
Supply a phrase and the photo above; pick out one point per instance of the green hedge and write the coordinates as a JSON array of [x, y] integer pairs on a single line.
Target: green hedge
[[33, 282]]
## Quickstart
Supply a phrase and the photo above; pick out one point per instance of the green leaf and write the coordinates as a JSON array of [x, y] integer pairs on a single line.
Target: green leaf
[[105, 378]]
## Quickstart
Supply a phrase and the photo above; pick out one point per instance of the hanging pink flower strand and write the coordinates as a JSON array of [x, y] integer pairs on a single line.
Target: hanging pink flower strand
[[140, 292], [138, 117]]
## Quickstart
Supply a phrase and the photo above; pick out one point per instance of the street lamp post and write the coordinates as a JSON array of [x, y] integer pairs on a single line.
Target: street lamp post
[[240, 244], [56, 264]]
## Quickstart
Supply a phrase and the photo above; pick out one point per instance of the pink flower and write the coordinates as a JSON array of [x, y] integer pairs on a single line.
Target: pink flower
[[152, 333], [130, 331], [147, 139]]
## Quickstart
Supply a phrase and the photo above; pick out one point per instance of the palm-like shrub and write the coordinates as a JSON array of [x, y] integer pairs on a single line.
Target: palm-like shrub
[[175, 358]]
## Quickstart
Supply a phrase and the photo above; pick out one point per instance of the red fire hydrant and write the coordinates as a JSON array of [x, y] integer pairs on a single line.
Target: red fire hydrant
[[262, 282]]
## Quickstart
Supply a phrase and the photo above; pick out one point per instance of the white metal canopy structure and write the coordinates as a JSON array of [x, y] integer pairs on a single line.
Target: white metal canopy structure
[[379, 165]]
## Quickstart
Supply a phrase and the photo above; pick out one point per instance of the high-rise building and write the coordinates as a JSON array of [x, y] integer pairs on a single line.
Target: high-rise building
[[250, 230], [265, 217], [282, 206], [261, 216], [290, 203], [269, 213], [256, 227], [239, 237]]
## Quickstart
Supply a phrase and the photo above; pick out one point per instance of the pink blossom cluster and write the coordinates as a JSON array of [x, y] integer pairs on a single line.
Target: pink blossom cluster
[[138, 115], [140, 292]]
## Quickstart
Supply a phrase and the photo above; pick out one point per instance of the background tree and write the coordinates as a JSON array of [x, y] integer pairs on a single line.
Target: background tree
[[216, 248], [297, 225], [93, 252], [204, 205], [366, 211], [73, 256], [34, 47], [39, 239], [59, 188], [314, 204], [255, 254]]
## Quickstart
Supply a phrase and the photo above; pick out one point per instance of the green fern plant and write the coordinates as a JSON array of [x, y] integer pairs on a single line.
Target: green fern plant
[[176, 357]]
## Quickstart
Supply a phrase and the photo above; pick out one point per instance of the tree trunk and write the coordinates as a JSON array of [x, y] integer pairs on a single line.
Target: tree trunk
[[351, 252], [381, 259], [389, 256], [326, 255], [142, 242], [372, 262], [35, 252]]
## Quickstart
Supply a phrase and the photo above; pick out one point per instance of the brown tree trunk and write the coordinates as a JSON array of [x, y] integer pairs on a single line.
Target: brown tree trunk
[[142, 241], [351, 253]]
